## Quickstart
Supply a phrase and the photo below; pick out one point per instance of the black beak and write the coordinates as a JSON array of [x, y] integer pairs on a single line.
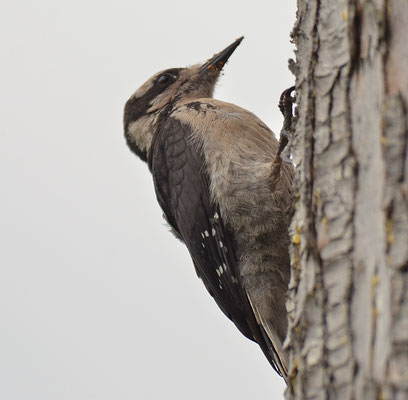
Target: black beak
[[218, 61]]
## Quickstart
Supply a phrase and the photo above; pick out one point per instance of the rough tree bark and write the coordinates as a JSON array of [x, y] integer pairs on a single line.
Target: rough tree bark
[[348, 296]]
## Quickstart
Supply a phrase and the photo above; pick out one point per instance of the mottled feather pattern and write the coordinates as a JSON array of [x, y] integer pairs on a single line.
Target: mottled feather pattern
[[224, 191], [182, 188]]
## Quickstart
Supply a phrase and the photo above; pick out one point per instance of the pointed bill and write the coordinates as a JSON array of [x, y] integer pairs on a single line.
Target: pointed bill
[[219, 60]]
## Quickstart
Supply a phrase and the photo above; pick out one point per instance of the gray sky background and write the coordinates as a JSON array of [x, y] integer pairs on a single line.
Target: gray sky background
[[97, 299]]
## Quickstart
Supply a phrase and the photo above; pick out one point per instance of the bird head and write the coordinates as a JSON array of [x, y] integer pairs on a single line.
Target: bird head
[[164, 91]]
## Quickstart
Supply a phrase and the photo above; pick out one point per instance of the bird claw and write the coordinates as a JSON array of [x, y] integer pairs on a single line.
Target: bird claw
[[286, 101], [285, 106]]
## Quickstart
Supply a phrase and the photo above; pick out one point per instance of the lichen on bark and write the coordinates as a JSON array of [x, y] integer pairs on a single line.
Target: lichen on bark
[[348, 311]]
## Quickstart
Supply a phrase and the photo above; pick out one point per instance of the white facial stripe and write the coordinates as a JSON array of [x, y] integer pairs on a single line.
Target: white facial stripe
[[141, 132], [160, 100]]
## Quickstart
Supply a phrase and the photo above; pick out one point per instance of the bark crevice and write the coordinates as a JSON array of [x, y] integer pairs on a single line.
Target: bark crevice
[[348, 312]]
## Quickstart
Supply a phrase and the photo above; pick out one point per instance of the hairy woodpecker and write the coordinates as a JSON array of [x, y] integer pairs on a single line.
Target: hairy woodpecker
[[224, 191]]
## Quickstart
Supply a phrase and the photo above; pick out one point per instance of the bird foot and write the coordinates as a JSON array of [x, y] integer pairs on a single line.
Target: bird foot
[[285, 106]]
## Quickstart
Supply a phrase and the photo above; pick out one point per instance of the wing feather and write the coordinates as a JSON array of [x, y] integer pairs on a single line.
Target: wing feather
[[182, 189]]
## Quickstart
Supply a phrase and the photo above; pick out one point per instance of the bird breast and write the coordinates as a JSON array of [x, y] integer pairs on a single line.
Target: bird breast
[[238, 149]]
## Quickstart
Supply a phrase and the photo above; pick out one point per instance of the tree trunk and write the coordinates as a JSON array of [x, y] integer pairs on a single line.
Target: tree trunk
[[348, 296]]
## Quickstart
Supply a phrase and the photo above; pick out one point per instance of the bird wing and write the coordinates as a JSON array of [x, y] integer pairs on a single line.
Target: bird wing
[[182, 189]]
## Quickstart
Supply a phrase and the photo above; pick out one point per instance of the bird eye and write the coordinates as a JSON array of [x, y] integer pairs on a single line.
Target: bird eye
[[164, 79]]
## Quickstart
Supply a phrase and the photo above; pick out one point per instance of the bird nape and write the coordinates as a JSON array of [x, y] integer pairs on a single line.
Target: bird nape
[[224, 191]]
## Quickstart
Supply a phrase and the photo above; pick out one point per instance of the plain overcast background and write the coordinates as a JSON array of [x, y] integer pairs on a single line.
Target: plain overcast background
[[97, 299]]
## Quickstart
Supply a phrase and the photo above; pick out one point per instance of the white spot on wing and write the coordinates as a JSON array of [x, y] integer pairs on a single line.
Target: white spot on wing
[[213, 231], [221, 244], [216, 216], [206, 233]]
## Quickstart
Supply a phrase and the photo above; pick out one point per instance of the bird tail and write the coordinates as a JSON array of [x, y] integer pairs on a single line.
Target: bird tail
[[272, 346]]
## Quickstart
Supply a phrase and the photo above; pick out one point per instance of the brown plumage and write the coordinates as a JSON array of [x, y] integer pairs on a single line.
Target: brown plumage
[[224, 191]]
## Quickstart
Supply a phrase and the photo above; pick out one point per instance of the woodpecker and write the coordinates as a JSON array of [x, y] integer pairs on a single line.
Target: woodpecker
[[224, 191]]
